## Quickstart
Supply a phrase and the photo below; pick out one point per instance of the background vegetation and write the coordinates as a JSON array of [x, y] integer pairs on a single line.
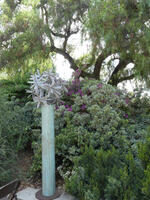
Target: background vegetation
[[32, 32], [102, 132]]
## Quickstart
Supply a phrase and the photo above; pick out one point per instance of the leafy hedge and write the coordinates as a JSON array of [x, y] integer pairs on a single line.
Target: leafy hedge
[[110, 175], [102, 148], [97, 115], [14, 88], [106, 175], [7, 161], [16, 122]]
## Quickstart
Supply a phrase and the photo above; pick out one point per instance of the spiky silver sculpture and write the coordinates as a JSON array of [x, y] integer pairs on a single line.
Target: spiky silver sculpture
[[46, 88]]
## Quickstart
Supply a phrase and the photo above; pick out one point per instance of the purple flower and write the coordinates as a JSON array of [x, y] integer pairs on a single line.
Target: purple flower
[[117, 93], [79, 92], [56, 107], [77, 73], [76, 82], [126, 116], [66, 106], [69, 109], [73, 82], [127, 101], [70, 92], [100, 85], [83, 107]]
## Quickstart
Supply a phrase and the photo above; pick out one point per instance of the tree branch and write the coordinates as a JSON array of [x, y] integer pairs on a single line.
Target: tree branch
[[67, 36], [12, 5], [126, 78], [65, 43], [86, 74], [10, 31], [114, 80], [71, 61], [122, 64], [65, 55], [58, 34], [50, 36], [98, 65]]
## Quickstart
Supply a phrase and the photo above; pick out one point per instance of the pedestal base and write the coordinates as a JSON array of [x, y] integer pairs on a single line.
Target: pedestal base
[[40, 196]]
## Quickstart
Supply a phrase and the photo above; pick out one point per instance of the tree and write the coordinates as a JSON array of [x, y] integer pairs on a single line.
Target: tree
[[116, 29], [124, 26]]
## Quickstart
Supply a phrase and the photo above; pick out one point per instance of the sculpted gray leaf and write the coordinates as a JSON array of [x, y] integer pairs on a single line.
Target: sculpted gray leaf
[[46, 88]]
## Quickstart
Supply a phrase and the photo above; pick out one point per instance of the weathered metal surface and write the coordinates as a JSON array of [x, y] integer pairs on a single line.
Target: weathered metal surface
[[40, 196], [46, 88], [48, 150]]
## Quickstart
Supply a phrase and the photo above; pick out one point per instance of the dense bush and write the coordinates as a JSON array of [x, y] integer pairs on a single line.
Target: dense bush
[[106, 175], [95, 125], [18, 119], [109, 175], [97, 115], [7, 161], [14, 88], [16, 122], [144, 155]]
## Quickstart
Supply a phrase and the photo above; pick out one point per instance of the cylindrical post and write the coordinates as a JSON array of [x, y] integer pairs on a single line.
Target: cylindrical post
[[48, 151]]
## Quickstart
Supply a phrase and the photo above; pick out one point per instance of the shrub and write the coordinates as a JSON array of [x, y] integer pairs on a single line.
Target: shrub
[[16, 122], [95, 114], [144, 155], [7, 162], [105, 175], [101, 116], [13, 88]]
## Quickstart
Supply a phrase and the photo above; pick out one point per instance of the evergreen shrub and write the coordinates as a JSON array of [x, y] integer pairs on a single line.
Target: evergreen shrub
[[16, 122], [97, 115], [106, 175], [7, 161], [14, 88], [144, 155]]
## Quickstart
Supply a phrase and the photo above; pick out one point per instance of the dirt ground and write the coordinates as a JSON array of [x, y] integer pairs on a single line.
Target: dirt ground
[[24, 164]]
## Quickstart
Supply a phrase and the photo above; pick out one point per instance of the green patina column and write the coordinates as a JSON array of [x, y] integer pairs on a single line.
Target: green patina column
[[46, 89], [48, 151]]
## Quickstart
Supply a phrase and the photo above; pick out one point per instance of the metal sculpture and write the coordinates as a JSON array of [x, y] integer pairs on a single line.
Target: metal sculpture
[[46, 90]]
